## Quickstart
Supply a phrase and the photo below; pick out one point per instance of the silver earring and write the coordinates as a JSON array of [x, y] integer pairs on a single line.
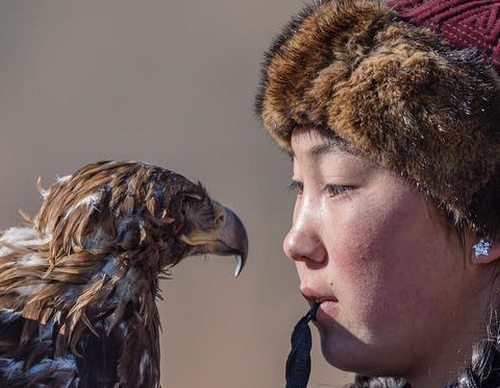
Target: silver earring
[[482, 248]]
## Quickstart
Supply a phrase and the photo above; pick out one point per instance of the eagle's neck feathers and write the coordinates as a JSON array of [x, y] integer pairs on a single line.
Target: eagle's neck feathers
[[69, 290]]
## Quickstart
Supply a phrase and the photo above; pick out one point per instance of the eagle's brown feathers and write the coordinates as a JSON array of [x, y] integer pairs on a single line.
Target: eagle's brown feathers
[[87, 268]]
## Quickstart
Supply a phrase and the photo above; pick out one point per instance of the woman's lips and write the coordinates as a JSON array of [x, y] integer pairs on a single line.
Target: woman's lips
[[326, 303], [314, 297]]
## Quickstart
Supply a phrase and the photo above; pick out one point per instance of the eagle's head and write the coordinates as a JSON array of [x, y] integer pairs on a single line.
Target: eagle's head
[[145, 216]]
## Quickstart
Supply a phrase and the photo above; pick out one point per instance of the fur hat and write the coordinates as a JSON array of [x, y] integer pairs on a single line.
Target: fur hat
[[397, 92]]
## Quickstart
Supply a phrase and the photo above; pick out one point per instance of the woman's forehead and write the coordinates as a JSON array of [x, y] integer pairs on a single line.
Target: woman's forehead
[[316, 142]]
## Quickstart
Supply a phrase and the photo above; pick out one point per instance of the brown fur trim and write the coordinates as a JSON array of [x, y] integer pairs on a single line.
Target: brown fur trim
[[396, 92]]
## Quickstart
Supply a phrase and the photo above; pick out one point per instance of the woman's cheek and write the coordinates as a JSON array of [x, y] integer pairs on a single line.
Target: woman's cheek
[[363, 274]]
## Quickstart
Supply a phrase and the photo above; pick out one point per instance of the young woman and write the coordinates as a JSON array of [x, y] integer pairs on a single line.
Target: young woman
[[392, 119]]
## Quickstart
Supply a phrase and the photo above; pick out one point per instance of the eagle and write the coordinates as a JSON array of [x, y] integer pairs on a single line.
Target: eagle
[[79, 281]]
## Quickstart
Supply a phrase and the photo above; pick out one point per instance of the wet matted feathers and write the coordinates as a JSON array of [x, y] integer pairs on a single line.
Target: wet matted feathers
[[78, 283]]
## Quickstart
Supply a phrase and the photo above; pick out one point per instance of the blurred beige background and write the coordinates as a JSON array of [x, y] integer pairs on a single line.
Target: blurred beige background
[[171, 83]]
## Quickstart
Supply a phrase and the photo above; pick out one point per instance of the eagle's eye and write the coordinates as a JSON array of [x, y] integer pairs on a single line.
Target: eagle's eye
[[193, 197], [191, 201], [198, 210]]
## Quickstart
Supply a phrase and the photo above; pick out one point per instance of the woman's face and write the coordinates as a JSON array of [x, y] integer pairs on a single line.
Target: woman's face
[[395, 288]]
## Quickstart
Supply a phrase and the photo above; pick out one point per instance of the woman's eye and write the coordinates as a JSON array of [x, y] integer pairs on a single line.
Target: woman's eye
[[335, 190], [297, 187]]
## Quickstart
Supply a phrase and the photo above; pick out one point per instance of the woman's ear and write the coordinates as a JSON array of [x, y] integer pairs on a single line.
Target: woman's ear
[[485, 251]]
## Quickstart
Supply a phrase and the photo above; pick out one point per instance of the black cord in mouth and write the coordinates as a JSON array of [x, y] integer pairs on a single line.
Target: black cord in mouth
[[311, 314], [298, 363]]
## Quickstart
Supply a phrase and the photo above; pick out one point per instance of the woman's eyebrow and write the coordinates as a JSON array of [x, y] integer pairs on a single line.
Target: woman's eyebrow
[[321, 149], [326, 147], [329, 143]]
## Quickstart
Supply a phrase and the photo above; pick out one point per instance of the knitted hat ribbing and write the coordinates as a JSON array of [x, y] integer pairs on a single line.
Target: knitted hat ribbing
[[463, 23]]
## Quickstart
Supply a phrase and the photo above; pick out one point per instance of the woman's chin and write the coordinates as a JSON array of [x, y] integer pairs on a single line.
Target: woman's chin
[[337, 357], [344, 351]]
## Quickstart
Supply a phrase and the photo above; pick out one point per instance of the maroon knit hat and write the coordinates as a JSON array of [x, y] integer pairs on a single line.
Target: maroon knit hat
[[462, 23]]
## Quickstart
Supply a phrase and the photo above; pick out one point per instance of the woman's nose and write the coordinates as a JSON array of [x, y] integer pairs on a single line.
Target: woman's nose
[[302, 241]]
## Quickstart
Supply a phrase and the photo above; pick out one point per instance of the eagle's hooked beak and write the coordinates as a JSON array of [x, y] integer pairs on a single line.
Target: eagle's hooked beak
[[232, 239], [228, 237]]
